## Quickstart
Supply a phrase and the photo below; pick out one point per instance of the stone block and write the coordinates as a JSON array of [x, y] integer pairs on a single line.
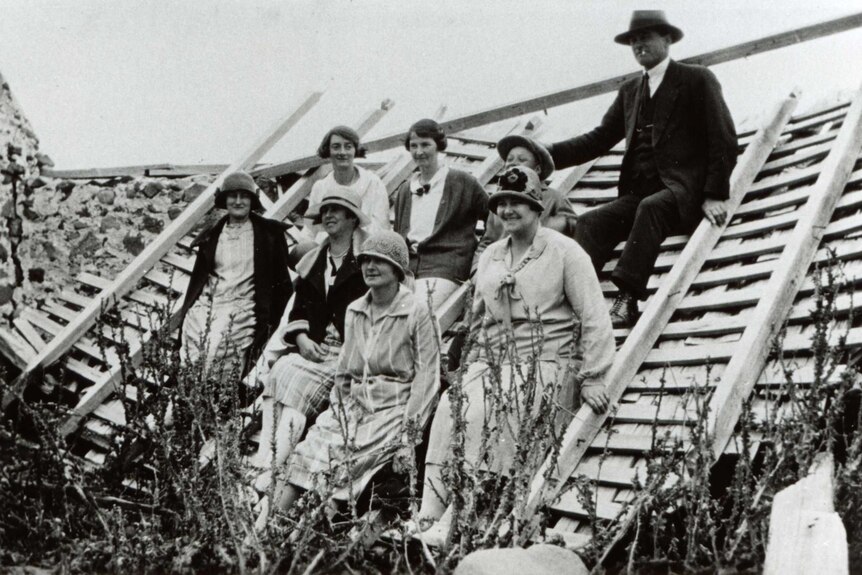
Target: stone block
[[536, 560]]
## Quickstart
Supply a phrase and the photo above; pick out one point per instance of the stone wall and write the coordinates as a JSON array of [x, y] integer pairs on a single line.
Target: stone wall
[[53, 229]]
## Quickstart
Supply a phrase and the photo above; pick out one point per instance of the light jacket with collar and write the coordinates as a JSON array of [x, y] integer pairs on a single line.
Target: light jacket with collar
[[272, 285], [553, 283]]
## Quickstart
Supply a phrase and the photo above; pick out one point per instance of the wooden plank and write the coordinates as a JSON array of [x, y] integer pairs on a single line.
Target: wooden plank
[[128, 278], [742, 371], [586, 424], [29, 332], [805, 533], [15, 348], [543, 102], [605, 507]]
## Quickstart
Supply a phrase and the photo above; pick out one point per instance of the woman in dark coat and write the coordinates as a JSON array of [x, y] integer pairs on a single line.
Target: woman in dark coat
[[298, 385], [239, 285]]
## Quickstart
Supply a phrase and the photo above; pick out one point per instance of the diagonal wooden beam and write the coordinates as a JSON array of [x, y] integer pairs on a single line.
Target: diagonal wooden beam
[[741, 373], [746, 365], [655, 317], [128, 278], [543, 102]]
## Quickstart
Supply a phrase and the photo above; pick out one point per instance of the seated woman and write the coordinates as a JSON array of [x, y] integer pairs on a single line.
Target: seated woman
[[436, 210], [298, 385], [386, 384], [557, 213], [239, 285], [341, 147], [534, 274]]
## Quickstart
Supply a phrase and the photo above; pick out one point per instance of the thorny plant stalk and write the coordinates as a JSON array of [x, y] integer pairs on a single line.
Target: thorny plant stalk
[[165, 511]]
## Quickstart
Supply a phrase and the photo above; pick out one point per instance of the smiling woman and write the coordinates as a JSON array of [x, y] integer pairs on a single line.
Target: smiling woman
[[533, 273], [301, 376], [239, 284], [341, 146], [385, 385]]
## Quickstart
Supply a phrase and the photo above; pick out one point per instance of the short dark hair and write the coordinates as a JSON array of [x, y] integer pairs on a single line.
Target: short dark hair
[[427, 129], [345, 132]]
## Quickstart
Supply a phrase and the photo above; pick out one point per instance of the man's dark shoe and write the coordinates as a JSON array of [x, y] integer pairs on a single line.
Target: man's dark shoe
[[624, 311]]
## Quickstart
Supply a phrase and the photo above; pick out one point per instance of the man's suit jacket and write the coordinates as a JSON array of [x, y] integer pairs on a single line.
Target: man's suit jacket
[[693, 137]]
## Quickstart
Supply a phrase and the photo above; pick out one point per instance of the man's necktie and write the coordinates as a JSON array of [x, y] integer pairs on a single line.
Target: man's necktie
[[422, 190]]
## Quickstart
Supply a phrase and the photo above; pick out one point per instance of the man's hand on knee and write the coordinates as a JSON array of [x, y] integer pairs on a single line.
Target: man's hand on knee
[[715, 211]]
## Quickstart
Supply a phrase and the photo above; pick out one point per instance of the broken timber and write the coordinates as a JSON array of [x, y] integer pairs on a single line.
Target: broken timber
[[127, 279], [805, 533]]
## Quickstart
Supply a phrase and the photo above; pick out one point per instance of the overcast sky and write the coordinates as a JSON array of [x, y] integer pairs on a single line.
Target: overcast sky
[[109, 83]]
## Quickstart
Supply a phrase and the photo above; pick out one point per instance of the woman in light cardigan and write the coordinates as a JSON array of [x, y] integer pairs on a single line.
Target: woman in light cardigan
[[535, 290]]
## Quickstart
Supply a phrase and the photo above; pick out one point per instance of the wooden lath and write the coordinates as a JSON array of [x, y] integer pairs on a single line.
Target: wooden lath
[[128, 278], [567, 96], [106, 383], [587, 424], [742, 371], [748, 355]]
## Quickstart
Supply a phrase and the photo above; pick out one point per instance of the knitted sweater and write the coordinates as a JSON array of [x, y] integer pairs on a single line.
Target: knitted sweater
[[448, 252]]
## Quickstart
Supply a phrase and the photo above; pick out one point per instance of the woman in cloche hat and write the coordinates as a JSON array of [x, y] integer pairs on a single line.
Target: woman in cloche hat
[[386, 383], [533, 274], [239, 284], [302, 371]]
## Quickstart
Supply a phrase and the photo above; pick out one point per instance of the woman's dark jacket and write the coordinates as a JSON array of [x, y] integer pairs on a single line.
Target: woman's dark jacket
[[313, 310], [272, 285]]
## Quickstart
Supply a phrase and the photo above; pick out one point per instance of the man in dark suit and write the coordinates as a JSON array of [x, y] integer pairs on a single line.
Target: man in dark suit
[[680, 151]]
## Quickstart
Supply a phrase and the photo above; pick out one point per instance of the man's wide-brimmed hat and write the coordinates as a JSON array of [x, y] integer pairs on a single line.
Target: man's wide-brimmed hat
[[238, 182], [543, 157], [519, 183], [649, 20], [344, 197]]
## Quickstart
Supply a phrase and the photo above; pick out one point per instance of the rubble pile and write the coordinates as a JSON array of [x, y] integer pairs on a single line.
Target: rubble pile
[[52, 229]]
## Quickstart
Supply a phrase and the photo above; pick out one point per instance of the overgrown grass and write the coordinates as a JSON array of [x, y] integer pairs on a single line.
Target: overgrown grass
[[155, 506]]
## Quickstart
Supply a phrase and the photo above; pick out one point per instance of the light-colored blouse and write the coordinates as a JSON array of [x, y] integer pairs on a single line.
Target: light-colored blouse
[[554, 284]]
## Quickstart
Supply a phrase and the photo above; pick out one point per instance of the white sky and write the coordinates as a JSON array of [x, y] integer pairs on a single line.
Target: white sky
[[121, 82]]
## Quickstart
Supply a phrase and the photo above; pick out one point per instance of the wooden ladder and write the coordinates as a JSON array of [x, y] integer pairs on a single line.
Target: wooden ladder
[[716, 306]]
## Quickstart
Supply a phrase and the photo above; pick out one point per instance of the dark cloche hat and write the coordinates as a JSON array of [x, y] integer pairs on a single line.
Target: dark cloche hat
[[520, 183], [543, 157], [649, 19], [238, 182]]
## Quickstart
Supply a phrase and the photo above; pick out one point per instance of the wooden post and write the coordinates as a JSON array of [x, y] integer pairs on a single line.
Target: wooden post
[[643, 336], [363, 127], [741, 373], [543, 102], [805, 533], [128, 278]]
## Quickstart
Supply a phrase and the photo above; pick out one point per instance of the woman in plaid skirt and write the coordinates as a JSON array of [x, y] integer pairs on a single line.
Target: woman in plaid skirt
[[298, 384]]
